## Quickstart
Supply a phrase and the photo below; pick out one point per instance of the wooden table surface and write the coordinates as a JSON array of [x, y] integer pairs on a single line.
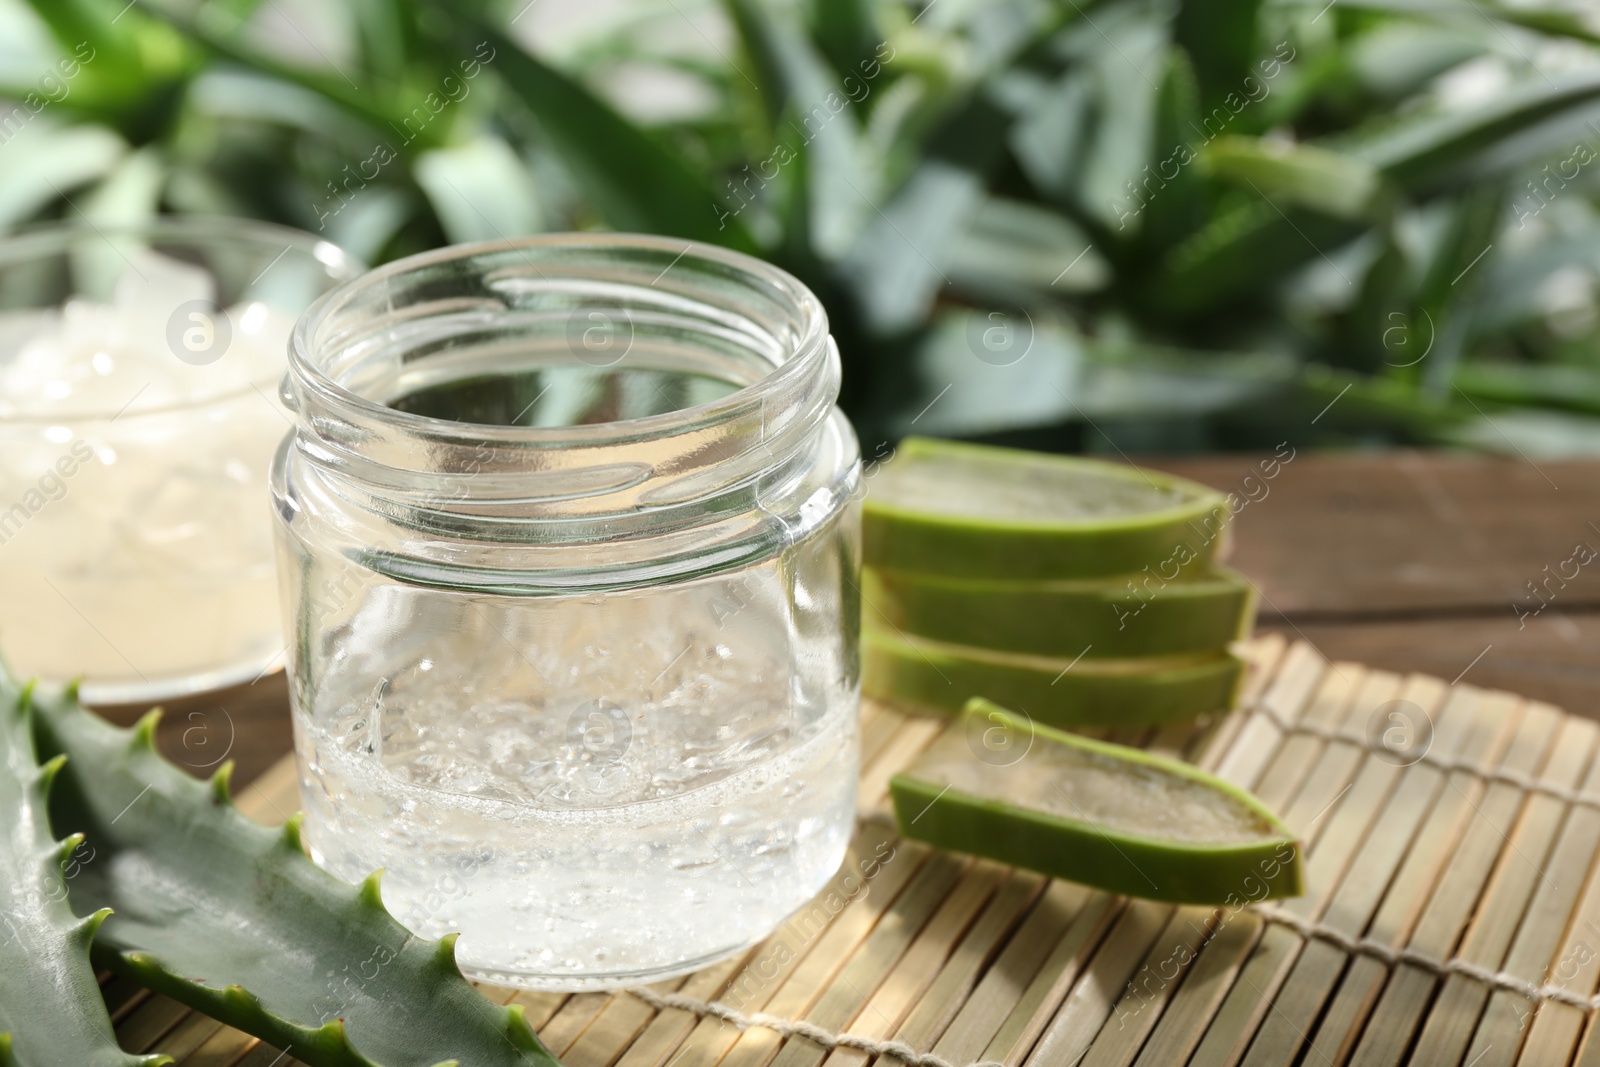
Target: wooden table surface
[[1401, 560]]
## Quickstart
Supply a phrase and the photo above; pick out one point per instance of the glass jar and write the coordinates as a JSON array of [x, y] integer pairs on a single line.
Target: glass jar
[[569, 537], [138, 417]]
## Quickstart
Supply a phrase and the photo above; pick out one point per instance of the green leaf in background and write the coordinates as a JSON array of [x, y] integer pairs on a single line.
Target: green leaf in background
[[1269, 186], [1221, 38], [1176, 203], [814, 111], [131, 192], [898, 263], [847, 33], [1382, 326], [1399, 59], [1447, 297], [635, 182], [1125, 53], [60, 159], [481, 190], [1301, 175], [1559, 21], [1013, 251], [979, 372], [1442, 148], [1052, 123], [1245, 247]]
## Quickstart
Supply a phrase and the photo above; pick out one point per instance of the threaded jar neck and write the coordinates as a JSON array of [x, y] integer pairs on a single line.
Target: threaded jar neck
[[563, 379]]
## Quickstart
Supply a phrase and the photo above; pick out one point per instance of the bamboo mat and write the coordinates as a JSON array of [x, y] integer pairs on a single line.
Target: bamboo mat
[[1452, 917]]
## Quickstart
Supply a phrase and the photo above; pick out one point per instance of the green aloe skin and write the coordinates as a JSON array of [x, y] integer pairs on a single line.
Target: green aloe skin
[[50, 1006], [1103, 618], [983, 512], [222, 914], [1143, 692], [999, 785]]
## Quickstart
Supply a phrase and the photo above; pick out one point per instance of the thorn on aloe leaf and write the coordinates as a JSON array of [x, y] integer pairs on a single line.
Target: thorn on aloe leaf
[[49, 770], [371, 893], [144, 731], [291, 836], [241, 999], [88, 926], [332, 1032], [222, 783], [446, 951], [66, 847], [518, 1030]]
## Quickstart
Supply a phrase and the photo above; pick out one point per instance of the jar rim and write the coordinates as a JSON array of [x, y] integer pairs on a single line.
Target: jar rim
[[809, 348]]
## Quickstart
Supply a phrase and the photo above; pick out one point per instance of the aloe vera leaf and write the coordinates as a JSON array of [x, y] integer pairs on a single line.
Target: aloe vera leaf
[[1448, 297], [1012, 252], [846, 32], [1549, 20], [1222, 39], [1183, 199], [840, 181], [1305, 175], [635, 181], [1146, 691], [233, 919], [999, 785], [50, 1007], [221, 37], [1417, 152], [1142, 614], [1253, 244], [978, 511]]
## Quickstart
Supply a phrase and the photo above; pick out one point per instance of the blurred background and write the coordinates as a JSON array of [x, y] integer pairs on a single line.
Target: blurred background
[[1179, 226]]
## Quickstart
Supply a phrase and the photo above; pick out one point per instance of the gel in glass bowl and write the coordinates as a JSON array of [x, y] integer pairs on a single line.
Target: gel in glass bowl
[[139, 411]]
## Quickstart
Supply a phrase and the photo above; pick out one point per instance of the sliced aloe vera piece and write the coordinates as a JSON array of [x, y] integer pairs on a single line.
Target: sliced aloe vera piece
[[977, 511], [1001, 786], [1058, 692], [1101, 618]]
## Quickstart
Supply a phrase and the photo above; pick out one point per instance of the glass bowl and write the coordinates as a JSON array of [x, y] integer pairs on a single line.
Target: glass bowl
[[139, 411]]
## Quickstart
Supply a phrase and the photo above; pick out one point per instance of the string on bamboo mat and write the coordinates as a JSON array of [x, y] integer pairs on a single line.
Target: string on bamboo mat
[[1363, 946], [1392, 956], [1525, 782], [798, 1028]]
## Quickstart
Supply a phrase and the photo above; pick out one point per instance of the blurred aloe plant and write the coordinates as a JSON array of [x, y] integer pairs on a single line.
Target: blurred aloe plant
[[1123, 224]]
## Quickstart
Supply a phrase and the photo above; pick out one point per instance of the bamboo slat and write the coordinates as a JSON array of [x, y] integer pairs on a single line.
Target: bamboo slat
[[1489, 888]]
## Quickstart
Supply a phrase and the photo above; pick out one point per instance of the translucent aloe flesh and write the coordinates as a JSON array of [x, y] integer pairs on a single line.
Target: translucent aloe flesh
[[977, 511], [1000, 785], [1054, 691], [234, 920], [50, 1007], [1101, 618]]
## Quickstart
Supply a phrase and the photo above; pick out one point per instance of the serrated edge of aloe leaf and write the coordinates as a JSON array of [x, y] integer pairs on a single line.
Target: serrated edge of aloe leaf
[[1144, 691], [326, 1045], [1204, 499], [966, 822], [49, 855]]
